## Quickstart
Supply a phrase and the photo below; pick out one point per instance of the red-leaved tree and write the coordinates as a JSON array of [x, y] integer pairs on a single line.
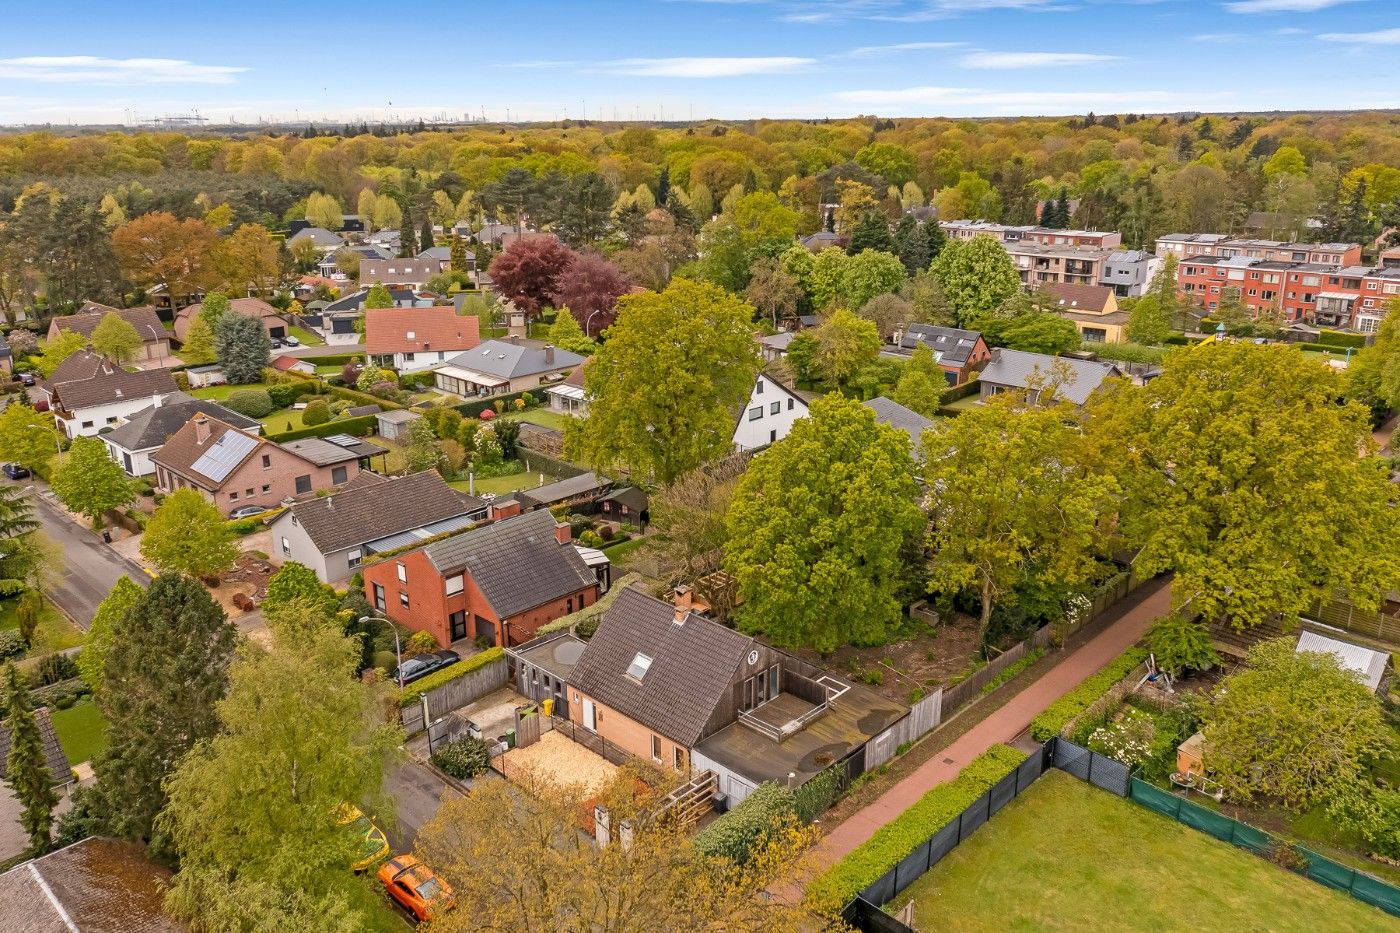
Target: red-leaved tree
[[591, 284], [527, 271]]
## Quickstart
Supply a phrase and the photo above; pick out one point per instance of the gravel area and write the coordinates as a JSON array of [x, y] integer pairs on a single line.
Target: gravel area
[[558, 760]]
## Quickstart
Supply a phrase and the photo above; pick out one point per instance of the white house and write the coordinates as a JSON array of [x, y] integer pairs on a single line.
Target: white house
[[88, 392], [411, 340], [132, 443], [769, 415]]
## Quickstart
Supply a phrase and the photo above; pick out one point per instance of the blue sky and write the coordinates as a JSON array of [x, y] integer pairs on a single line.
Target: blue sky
[[84, 61]]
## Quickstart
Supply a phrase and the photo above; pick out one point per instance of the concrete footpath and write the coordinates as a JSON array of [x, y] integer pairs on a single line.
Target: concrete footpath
[[1002, 725]]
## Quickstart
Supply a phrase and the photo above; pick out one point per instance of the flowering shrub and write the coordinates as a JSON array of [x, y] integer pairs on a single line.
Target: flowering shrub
[[1127, 739]]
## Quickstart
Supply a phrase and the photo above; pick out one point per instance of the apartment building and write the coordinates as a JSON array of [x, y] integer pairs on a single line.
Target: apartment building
[[1222, 246], [1031, 234], [1351, 296]]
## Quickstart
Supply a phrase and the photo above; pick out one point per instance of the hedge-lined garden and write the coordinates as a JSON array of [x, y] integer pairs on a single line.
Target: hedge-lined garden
[[1059, 713], [834, 888]]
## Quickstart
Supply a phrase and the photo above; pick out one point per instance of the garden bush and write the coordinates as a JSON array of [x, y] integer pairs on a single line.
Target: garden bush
[[1059, 713], [355, 427], [254, 403], [317, 412], [838, 885], [816, 796], [590, 538], [385, 661], [50, 695], [476, 662], [1334, 338], [282, 395], [51, 669], [463, 758], [739, 833], [11, 644]]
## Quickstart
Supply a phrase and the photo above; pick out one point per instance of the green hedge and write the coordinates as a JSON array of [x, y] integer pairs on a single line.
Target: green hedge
[[359, 426], [836, 887], [1126, 352], [361, 398], [1336, 338], [339, 359], [1059, 713], [536, 462], [409, 694], [474, 409], [951, 395], [738, 833]]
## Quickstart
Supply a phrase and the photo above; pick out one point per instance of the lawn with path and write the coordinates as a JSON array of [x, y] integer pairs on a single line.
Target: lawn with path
[[501, 485], [1068, 856], [54, 633], [220, 393]]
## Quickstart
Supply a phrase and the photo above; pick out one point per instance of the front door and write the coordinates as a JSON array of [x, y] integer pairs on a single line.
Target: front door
[[590, 715], [459, 625]]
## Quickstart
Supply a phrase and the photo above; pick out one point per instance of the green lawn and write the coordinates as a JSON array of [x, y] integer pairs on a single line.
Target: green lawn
[[1068, 856], [54, 633], [219, 393], [286, 419], [619, 551], [81, 731], [965, 404], [308, 338], [540, 416], [501, 485]]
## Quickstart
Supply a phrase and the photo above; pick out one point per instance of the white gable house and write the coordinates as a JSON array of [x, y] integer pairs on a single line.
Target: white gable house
[[769, 415]]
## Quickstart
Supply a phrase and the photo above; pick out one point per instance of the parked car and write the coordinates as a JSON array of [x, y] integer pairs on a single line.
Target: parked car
[[15, 471], [376, 846], [276, 343], [27, 378], [415, 888], [247, 511], [291, 341], [423, 665]]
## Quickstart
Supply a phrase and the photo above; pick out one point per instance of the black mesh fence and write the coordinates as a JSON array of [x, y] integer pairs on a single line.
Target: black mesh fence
[[1099, 770]]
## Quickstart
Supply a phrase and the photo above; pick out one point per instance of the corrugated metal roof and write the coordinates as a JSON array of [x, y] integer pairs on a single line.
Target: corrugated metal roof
[[224, 455], [1368, 663]]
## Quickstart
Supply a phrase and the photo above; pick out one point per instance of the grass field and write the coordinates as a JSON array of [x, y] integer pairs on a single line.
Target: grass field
[[219, 393], [81, 731], [501, 485], [540, 416], [54, 633], [1068, 856], [308, 338]]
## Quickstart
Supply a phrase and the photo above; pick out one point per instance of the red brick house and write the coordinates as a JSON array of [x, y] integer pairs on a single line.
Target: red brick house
[[233, 468], [500, 581]]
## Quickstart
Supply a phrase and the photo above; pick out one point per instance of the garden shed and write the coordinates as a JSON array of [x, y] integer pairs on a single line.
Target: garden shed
[[1367, 663], [395, 425]]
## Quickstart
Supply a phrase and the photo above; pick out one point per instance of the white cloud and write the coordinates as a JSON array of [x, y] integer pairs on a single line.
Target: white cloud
[[930, 98], [89, 69], [871, 51], [1002, 60], [704, 67], [904, 11], [1379, 37], [1282, 6], [1219, 37]]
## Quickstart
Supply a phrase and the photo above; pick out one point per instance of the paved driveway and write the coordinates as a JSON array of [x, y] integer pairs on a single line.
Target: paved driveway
[[91, 567]]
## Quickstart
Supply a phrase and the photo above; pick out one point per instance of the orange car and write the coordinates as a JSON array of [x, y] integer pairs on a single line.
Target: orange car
[[414, 886]]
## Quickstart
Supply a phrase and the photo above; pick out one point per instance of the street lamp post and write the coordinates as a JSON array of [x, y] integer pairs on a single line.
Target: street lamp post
[[398, 648], [57, 439], [588, 323]]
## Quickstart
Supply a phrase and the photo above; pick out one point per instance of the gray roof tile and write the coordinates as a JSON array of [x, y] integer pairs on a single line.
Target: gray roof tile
[[370, 507], [1016, 368]]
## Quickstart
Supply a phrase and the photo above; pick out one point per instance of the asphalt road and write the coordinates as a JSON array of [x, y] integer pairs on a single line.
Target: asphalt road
[[417, 793], [91, 568]]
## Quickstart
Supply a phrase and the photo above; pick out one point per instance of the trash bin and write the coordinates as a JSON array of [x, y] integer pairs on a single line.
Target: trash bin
[[548, 706], [510, 738], [107, 535]]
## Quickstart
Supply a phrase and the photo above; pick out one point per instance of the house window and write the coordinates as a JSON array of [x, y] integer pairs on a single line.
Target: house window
[[408, 357], [403, 599], [267, 461], [267, 488], [775, 408], [338, 475], [286, 547], [656, 749], [758, 387], [454, 584], [379, 597], [568, 605], [354, 557], [773, 436], [677, 758], [402, 572], [755, 413], [88, 424], [790, 404], [303, 483], [639, 666], [233, 497], [248, 493]]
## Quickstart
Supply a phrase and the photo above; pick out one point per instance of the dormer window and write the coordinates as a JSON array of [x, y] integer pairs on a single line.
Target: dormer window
[[639, 666]]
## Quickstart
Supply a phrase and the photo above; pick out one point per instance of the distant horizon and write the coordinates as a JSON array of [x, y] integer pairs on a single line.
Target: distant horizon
[[635, 61]]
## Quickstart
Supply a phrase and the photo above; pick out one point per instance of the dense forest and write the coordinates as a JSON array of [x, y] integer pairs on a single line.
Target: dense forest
[[1332, 176]]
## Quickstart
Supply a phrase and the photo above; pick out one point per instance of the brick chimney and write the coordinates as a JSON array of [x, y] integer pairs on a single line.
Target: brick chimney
[[549, 354], [504, 508], [563, 533], [683, 599], [201, 428], [514, 339]]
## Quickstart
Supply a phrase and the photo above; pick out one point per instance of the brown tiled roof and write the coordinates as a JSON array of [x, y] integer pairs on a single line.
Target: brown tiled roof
[[145, 320], [418, 330], [576, 377], [370, 507], [692, 665], [86, 379], [250, 307], [98, 885], [1092, 299], [183, 448]]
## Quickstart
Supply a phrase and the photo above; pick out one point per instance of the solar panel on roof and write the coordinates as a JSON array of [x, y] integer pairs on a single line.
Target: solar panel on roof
[[224, 455], [343, 440]]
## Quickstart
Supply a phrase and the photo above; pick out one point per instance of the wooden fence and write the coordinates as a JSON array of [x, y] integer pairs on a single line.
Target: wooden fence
[[455, 694], [1341, 614], [923, 717], [592, 741]]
